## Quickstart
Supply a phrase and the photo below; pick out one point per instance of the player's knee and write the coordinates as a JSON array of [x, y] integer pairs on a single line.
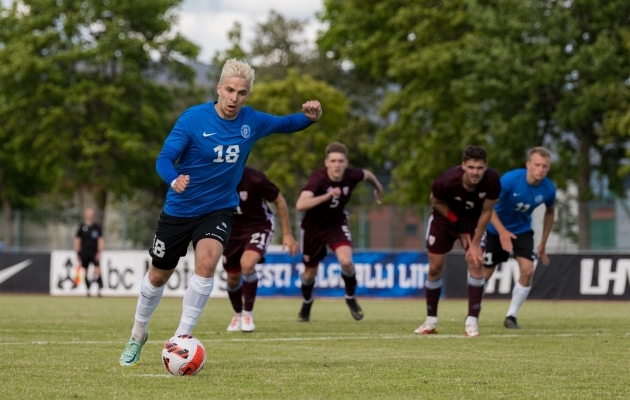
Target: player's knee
[[527, 273], [346, 265], [159, 277], [309, 273], [435, 269], [248, 268], [233, 279]]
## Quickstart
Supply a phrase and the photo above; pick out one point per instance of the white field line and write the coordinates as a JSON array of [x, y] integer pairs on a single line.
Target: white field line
[[326, 338]]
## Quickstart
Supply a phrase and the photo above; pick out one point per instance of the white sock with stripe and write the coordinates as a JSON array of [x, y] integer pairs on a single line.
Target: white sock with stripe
[[148, 301]]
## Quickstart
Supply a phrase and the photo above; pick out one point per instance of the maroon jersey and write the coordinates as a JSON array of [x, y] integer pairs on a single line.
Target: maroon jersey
[[449, 188], [254, 191], [331, 212]]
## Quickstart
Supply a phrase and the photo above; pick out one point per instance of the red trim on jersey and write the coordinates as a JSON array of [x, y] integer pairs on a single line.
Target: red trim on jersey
[[450, 215], [339, 244]]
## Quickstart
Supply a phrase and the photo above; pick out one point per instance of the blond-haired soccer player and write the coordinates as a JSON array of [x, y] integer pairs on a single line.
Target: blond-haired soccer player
[[210, 144], [510, 229]]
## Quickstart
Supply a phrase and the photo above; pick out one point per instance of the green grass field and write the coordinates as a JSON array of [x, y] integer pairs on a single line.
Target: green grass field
[[68, 348]]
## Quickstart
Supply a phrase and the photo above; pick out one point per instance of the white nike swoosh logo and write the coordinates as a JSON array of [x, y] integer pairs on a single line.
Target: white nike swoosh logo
[[208, 134], [7, 273]]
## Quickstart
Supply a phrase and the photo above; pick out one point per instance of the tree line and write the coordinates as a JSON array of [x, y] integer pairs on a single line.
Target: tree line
[[90, 89]]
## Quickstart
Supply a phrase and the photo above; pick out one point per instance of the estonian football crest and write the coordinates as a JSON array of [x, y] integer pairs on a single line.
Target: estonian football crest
[[346, 189], [243, 195], [245, 131], [482, 195], [539, 199]]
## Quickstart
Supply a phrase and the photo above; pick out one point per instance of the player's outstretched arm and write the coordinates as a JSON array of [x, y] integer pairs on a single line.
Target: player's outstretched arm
[[308, 200], [312, 109], [550, 215], [288, 241], [378, 188]]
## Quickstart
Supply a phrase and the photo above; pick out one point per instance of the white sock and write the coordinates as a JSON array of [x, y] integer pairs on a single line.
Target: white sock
[[471, 320], [519, 294], [431, 320], [248, 313], [195, 298], [148, 300]]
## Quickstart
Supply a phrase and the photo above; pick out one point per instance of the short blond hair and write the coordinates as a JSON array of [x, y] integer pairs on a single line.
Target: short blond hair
[[234, 68], [541, 151]]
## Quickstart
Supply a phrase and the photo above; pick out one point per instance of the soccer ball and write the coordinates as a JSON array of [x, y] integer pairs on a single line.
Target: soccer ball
[[183, 355]]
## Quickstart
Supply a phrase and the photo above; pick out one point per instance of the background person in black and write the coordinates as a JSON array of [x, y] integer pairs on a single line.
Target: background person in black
[[89, 244]]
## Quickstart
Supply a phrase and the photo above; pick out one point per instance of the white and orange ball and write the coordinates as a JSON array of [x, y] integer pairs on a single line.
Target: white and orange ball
[[183, 355]]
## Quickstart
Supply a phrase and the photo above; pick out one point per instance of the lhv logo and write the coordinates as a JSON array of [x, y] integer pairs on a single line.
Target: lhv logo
[[605, 275], [504, 277]]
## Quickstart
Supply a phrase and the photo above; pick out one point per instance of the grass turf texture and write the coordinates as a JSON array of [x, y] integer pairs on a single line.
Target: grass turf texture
[[69, 348]]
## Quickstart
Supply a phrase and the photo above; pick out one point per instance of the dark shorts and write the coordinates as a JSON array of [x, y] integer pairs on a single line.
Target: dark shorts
[[174, 233], [256, 239], [522, 246], [87, 258], [313, 243], [441, 235]]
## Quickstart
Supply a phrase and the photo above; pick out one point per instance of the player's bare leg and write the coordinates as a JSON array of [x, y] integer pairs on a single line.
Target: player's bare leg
[[308, 284], [520, 292], [344, 256], [433, 289]]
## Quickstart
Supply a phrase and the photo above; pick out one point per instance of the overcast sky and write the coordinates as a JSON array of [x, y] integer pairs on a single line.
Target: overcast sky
[[206, 22]]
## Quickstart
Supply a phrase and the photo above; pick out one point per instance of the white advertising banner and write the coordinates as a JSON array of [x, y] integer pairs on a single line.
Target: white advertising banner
[[122, 273]]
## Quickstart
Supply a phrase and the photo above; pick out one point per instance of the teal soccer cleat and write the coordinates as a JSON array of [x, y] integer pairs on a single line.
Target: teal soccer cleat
[[131, 355]]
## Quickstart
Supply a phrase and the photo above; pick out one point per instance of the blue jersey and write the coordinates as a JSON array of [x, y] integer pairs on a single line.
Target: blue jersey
[[213, 152], [518, 200]]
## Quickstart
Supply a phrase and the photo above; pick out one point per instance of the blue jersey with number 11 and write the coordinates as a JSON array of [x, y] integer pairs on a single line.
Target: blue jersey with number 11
[[519, 199], [213, 152]]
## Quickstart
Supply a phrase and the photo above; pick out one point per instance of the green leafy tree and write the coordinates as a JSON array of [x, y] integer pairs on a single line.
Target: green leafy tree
[[89, 78], [288, 72], [289, 159], [505, 74], [235, 51]]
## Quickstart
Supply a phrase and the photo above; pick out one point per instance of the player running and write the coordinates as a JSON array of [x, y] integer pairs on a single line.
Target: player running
[[210, 144], [510, 229], [325, 222]]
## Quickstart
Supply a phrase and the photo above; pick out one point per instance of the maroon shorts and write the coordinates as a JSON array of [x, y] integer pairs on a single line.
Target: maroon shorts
[[441, 235], [256, 239], [313, 243]]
